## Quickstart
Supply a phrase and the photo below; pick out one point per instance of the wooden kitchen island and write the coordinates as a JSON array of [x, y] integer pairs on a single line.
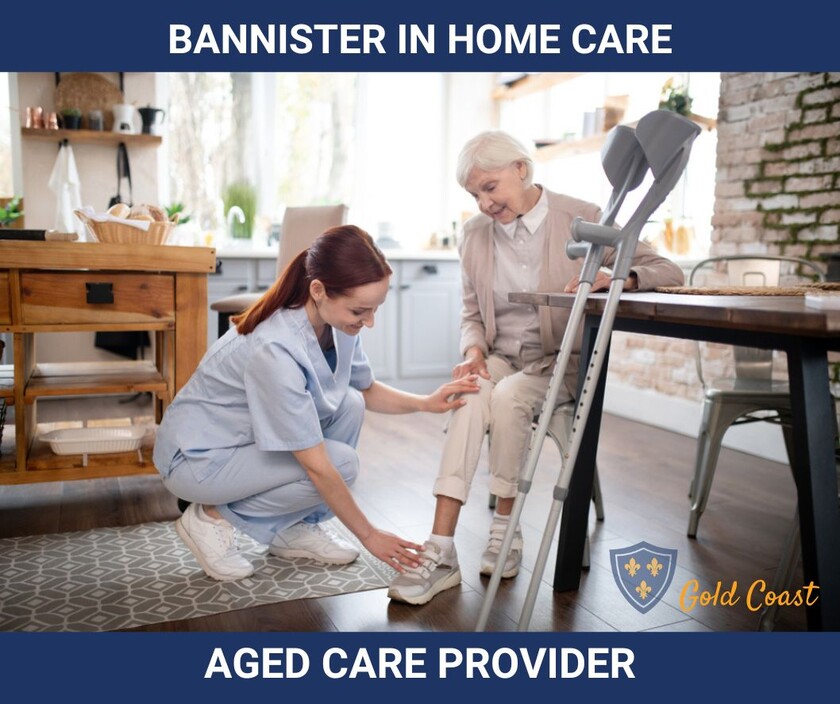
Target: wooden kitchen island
[[49, 287]]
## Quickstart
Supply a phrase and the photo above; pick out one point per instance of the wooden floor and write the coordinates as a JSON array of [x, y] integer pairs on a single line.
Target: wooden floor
[[645, 474]]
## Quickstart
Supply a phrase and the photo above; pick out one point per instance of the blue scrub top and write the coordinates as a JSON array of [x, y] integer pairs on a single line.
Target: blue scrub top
[[273, 387]]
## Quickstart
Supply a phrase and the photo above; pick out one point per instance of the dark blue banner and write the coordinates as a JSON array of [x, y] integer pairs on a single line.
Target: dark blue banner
[[377, 667], [456, 36]]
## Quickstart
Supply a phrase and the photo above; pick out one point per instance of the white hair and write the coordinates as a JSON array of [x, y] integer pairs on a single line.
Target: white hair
[[491, 151]]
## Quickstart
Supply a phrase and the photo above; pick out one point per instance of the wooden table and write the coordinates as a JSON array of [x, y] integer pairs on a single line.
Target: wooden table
[[71, 287], [772, 322]]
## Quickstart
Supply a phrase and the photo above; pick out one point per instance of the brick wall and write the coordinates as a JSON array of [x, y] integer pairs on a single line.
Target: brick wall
[[777, 192], [778, 164]]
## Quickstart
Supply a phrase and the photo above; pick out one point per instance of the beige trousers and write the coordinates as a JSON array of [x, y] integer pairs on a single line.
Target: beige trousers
[[504, 406]]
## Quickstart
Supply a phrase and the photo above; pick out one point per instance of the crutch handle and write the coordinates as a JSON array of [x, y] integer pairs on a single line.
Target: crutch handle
[[576, 250], [594, 258], [583, 231]]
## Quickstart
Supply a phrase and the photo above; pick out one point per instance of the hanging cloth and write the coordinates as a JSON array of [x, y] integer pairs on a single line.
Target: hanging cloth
[[67, 186]]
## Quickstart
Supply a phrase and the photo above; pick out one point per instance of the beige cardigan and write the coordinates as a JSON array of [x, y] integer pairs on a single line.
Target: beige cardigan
[[478, 318]]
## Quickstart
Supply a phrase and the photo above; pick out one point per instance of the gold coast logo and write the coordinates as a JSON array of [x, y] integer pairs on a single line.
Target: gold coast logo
[[643, 573]]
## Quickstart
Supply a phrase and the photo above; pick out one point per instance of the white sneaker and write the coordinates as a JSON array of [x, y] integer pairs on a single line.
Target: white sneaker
[[494, 544], [313, 541], [213, 542], [417, 585]]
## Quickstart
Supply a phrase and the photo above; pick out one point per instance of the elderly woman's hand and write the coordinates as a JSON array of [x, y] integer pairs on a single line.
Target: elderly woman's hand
[[474, 363], [602, 283]]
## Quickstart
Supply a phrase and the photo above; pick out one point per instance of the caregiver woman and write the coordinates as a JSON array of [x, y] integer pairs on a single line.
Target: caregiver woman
[[262, 438]]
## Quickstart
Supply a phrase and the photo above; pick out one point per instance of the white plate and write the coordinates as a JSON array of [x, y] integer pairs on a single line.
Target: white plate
[[79, 441]]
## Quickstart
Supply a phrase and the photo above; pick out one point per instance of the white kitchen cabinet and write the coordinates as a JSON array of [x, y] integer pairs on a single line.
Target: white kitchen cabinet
[[430, 305], [413, 344], [380, 341]]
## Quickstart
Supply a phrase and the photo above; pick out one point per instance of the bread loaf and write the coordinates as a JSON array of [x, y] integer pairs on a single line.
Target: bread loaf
[[120, 210], [158, 214]]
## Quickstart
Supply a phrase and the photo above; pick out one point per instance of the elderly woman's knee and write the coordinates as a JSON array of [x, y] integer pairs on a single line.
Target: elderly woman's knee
[[507, 400]]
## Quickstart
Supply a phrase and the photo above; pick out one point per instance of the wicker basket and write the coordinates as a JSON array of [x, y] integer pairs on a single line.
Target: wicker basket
[[111, 232]]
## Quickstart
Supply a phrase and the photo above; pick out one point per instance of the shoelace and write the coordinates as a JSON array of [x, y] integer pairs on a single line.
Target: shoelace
[[229, 539], [325, 531], [322, 532]]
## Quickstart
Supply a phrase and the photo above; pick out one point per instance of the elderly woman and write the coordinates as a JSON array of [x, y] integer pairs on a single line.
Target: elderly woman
[[516, 243]]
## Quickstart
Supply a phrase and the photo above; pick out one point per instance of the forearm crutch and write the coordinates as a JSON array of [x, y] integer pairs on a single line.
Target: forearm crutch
[[662, 142]]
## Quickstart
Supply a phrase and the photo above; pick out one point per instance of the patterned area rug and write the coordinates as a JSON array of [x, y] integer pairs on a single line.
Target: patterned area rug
[[114, 578]]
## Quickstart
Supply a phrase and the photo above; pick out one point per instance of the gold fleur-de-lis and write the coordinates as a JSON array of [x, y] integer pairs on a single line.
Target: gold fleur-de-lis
[[632, 567], [654, 567], [643, 589]]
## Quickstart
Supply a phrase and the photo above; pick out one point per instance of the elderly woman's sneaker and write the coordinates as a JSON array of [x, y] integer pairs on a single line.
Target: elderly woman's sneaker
[[494, 544], [436, 572], [213, 542], [313, 541]]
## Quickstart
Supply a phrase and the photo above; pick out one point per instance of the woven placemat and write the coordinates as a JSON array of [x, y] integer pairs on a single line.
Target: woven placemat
[[800, 290]]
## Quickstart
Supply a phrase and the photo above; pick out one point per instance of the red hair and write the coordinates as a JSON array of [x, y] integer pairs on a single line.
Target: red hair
[[342, 258]]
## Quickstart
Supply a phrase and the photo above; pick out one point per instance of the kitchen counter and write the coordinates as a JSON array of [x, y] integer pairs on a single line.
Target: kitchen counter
[[224, 251]]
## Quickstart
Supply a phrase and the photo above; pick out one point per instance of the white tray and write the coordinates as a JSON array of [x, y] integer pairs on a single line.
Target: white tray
[[94, 441]]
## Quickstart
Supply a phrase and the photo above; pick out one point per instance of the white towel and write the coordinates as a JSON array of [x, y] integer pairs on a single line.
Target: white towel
[[65, 183], [107, 217]]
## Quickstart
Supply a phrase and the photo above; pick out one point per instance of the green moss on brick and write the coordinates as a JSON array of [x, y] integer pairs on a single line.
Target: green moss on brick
[[772, 217]]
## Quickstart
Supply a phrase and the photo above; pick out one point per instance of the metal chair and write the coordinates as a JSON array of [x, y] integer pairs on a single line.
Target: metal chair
[[301, 225], [750, 394]]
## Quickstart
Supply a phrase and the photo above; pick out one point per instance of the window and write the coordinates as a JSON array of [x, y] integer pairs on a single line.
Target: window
[[372, 141], [6, 184]]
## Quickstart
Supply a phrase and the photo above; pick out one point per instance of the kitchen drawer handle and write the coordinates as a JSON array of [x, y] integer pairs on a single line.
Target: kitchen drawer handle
[[99, 292], [430, 269]]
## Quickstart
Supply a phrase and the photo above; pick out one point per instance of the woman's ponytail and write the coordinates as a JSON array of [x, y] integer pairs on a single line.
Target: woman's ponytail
[[289, 291], [342, 258]]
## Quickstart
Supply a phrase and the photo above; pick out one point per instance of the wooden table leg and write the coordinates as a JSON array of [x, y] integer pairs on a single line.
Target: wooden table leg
[[575, 517], [815, 471]]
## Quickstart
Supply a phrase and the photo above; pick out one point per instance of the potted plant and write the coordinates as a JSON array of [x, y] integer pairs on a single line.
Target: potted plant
[[177, 209], [71, 118], [10, 212], [675, 98], [240, 202]]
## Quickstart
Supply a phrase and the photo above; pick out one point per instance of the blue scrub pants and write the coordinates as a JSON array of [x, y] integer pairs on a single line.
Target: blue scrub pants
[[262, 493]]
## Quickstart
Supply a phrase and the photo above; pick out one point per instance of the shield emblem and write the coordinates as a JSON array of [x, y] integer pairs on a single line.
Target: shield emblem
[[643, 573]]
